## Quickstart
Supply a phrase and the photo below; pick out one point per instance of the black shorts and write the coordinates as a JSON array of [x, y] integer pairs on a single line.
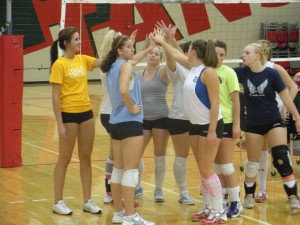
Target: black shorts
[[177, 126], [264, 129], [227, 131], [120, 131], [202, 130], [159, 123], [76, 117], [104, 119]]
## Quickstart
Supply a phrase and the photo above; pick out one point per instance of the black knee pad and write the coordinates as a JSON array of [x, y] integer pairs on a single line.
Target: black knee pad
[[281, 160]]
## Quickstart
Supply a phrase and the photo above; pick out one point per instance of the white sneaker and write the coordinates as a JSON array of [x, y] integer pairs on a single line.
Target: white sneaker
[[215, 218], [158, 195], [294, 203], [61, 208], [136, 220], [185, 198], [118, 217], [107, 199], [91, 207]]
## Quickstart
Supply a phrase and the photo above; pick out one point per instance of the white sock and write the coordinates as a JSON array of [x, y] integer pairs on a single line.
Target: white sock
[[205, 195], [160, 171], [263, 169], [141, 172], [179, 170], [224, 196], [234, 194]]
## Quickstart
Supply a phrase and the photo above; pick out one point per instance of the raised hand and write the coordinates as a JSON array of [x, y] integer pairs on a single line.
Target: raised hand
[[133, 36], [158, 36]]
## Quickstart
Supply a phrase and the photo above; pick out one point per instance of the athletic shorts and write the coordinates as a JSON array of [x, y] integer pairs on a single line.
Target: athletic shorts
[[104, 118], [227, 131], [76, 117], [120, 131], [202, 130], [177, 126], [159, 124], [264, 129]]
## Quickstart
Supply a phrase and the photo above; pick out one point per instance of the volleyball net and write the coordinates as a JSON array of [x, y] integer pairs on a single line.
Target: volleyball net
[[236, 22]]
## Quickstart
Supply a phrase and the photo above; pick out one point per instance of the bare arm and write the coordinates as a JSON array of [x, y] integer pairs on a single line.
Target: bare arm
[[288, 102], [236, 129], [178, 56], [210, 79], [56, 89], [290, 84], [125, 76], [97, 63]]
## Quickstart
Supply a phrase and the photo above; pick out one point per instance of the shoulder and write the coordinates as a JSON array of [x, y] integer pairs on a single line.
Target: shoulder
[[125, 65]]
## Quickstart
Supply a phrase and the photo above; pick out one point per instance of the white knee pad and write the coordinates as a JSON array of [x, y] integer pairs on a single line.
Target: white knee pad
[[116, 176], [217, 169], [130, 178], [251, 169], [227, 169]]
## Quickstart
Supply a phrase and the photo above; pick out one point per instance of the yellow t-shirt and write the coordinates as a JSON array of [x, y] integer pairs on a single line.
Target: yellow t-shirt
[[228, 83], [72, 75]]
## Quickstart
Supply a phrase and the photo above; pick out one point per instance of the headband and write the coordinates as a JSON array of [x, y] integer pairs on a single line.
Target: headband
[[118, 42]]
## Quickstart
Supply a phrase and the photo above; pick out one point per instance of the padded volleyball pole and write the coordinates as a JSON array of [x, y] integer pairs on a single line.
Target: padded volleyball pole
[[11, 95]]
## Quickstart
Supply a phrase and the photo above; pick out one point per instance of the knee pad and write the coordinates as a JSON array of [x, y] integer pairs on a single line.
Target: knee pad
[[116, 176], [251, 169], [130, 178], [227, 169], [217, 169], [281, 160]]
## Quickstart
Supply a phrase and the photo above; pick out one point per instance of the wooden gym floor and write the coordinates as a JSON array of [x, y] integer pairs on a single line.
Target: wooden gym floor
[[26, 192]]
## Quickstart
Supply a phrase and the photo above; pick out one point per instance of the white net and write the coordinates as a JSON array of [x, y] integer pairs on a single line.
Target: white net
[[237, 23]]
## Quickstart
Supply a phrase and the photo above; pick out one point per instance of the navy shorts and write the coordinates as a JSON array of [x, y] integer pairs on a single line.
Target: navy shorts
[[177, 126], [264, 129], [76, 117], [104, 119], [159, 124], [202, 130], [227, 131], [120, 131]]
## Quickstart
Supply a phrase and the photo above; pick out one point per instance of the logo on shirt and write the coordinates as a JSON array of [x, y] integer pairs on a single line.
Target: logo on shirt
[[195, 79], [257, 91], [220, 80], [76, 72]]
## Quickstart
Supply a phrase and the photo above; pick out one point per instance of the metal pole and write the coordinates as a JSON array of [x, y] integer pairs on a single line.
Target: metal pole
[[8, 17]]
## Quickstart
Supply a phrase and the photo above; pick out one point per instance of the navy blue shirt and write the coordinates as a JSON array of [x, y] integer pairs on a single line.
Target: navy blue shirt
[[259, 89]]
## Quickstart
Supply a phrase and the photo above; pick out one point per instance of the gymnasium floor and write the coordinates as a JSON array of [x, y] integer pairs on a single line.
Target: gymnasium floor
[[26, 193]]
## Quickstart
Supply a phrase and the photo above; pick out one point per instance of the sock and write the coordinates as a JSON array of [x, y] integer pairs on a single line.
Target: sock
[[141, 172], [205, 194], [263, 169], [179, 170], [234, 194], [225, 197], [108, 170], [214, 188], [160, 171], [291, 191], [249, 188]]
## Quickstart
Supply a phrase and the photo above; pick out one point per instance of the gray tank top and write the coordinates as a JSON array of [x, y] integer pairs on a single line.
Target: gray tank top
[[154, 93]]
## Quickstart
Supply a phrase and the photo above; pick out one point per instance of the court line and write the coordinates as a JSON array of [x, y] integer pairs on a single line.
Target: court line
[[149, 184]]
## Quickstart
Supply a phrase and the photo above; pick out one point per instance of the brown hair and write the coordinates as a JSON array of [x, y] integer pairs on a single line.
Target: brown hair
[[112, 55], [206, 51], [65, 34]]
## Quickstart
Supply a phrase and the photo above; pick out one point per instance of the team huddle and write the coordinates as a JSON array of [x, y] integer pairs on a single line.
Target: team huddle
[[204, 115]]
